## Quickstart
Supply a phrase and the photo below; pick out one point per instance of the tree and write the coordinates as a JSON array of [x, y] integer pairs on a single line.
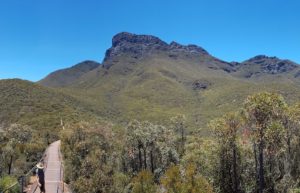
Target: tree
[[185, 180], [180, 128], [291, 159], [14, 142], [150, 147], [90, 158], [172, 181], [144, 183], [261, 111], [226, 132], [194, 182]]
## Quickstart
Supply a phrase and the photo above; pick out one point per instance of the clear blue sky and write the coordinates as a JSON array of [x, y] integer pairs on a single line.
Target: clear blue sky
[[39, 36]]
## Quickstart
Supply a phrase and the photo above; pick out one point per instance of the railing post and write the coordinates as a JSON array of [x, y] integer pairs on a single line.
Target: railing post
[[21, 182]]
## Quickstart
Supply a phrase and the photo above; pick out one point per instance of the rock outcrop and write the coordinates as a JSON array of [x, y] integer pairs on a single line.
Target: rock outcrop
[[141, 45], [271, 65]]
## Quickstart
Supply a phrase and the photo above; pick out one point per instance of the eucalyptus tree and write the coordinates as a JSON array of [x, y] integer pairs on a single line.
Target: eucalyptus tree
[[150, 147], [291, 122], [179, 126], [229, 173], [263, 112], [13, 145], [187, 179], [144, 183]]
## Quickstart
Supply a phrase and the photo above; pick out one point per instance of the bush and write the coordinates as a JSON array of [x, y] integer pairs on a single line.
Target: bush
[[6, 182]]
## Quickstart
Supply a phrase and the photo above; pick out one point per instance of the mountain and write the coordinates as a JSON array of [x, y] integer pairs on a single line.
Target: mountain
[[41, 108], [66, 77], [262, 65], [143, 77]]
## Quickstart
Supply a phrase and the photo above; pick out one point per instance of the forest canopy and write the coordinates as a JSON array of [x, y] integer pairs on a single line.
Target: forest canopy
[[255, 149]]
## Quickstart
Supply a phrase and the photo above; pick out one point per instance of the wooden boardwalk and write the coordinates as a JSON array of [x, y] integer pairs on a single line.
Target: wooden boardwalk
[[53, 170]]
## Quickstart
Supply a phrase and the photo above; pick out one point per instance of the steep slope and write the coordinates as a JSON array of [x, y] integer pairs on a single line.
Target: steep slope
[[143, 77], [39, 107], [69, 76]]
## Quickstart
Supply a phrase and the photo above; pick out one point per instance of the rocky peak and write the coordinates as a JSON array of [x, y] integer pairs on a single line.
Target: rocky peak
[[261, 58], [137, 45], [124, 38], [174, 46], [140, 45], [271, 65]]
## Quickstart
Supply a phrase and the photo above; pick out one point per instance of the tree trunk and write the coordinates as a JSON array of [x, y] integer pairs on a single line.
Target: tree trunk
[[10, 165], [261, 166], [182, 139], [222, 177], [235, 175], [288, 163], [151, 161], [256, 166], [145, 158], [140, 158]]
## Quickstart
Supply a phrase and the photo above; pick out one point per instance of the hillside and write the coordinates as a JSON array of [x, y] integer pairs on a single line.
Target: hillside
[[66, 77], [143, 77], [37, 106]]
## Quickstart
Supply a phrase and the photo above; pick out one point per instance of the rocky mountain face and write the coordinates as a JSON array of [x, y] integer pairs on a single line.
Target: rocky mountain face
[[141, 45], [271, 65], [138, 47], [261, 64]]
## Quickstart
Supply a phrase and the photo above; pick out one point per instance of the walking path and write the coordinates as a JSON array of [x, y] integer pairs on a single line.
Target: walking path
[[53, 170]]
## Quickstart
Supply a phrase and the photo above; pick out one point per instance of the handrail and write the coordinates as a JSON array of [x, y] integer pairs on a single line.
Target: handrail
[[61, 170], [22, 177]]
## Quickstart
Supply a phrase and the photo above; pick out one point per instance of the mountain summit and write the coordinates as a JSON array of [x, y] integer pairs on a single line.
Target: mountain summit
[[140, 45]]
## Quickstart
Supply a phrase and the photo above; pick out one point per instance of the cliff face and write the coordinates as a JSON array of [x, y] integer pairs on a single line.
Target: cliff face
[[141, 45]]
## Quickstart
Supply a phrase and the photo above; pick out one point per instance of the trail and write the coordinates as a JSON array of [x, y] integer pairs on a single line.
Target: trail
[[53, 170]]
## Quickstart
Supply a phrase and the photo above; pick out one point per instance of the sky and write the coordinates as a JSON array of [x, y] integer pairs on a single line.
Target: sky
[[40, 36]]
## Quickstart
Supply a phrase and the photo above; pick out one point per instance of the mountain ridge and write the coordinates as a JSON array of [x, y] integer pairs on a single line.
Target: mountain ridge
[[68, 76], [155, 81], [137, 47], [145, 78]]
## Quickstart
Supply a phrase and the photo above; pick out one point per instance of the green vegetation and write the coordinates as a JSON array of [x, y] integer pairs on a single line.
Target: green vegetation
[[185, 180], [157, 87], [144, 183], [41, 108], [20, 150], [148, 124], [30, 119], [6, 182], [255, 149]]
